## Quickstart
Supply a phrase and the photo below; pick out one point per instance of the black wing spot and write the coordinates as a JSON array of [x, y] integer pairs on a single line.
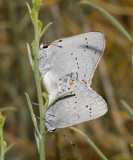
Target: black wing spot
[[86, 64], [86, 106], [78, 67], [95, 52], [77, 73], [84, 50], [90, 109], [75, 102], [71, 53], [74, 107], [68, 88], [77, 64], [60, 40], [87, 46], [85, 38], [76, 58]]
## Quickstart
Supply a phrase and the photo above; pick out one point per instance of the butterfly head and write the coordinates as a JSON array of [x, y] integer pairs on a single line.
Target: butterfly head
[[43, 58], [50, 121], [43, 50], [43, 46]]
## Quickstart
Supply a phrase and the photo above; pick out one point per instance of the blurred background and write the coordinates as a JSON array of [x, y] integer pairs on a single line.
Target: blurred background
[[113, 79]]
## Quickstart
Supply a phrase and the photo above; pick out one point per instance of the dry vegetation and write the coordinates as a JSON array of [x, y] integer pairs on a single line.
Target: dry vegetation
[[112, 133]]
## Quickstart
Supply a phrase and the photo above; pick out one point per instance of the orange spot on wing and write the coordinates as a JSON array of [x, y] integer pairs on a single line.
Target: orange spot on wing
[[70, 82], [84, 81]]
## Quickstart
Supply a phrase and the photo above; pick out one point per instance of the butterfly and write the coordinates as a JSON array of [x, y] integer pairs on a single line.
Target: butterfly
[[68, 64]]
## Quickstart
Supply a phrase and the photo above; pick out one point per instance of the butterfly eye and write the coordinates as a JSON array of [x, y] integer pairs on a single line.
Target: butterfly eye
[[45, 46]]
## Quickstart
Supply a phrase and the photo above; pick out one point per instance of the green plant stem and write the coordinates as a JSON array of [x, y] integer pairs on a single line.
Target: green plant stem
[[38, 86], [2, 143], [89, 141]]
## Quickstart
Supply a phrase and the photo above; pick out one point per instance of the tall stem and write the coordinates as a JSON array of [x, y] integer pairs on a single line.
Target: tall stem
[[38, 86]]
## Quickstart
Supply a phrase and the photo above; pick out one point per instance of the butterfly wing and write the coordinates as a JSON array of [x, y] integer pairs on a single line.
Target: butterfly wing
[[83, 106], [77, 55], [73, 60]]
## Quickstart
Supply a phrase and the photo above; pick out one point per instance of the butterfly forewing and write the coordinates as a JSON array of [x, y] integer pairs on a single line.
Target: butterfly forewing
[[78, 55]]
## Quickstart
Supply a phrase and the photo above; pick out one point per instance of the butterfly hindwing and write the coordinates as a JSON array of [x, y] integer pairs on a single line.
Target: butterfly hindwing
[[82, 105]]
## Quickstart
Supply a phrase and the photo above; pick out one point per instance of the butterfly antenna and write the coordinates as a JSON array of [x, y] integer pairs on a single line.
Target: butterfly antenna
[[47, 131], [66, 137], [44, 40], [57, 45]]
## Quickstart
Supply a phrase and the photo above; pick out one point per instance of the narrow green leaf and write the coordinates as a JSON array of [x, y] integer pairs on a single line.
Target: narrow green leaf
[[127, 108], [32, 115], [110, 17], [4, 109], [37, 141], [33, 11], [30, 56], [89, 141], [45, 28], [9, 147], [29, 9]]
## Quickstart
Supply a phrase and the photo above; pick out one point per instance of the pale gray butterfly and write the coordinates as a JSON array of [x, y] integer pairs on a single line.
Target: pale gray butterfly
[[68, 64]]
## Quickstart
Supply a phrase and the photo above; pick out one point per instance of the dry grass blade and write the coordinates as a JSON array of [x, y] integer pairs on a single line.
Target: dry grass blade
[[89, 141]]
